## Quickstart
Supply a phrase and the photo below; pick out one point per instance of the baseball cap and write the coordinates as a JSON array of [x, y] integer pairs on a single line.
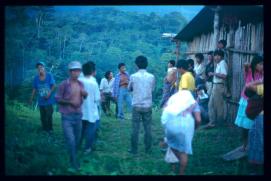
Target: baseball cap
[[40, 63], [74, 65]]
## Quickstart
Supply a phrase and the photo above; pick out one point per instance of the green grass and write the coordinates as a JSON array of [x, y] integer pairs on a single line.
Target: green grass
[[29, 151]]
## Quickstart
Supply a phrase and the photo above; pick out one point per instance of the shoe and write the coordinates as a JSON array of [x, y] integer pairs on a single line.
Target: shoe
[[210, 126]]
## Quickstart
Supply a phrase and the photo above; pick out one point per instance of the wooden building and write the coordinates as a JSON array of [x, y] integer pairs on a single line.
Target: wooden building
[[241, 26]]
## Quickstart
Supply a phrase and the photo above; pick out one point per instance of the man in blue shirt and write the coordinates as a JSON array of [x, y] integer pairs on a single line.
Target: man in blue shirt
[[44, 85]]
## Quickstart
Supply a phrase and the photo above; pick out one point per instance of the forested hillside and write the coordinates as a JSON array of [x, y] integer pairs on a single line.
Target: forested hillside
[[104, 35]]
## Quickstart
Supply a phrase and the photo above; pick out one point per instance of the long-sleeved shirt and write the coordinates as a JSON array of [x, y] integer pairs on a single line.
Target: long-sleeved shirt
[[90, 104], [142, 85], [116, 84]]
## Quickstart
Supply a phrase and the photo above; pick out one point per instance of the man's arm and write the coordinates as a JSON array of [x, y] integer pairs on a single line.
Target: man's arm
[[221, 76], [97, 94], [130, 85], [52, 86], [102, 85], [83, 92], [32, 95], [50, 92], [59, 96], [153, 83]]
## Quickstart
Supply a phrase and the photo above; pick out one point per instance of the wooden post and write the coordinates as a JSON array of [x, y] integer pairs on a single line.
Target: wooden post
[[177, 50], [216, 26]]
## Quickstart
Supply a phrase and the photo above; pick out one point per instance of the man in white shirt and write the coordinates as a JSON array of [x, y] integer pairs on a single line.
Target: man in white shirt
[[106, 88], [90, 106], [142, 85], [216, 103]]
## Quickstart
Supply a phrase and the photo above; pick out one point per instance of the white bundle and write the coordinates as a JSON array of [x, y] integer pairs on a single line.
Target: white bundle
[[176, 104], [170, 157]]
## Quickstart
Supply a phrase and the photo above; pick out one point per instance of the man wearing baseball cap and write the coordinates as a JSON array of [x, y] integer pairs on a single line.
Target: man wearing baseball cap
[[44, 85], [70, 97]]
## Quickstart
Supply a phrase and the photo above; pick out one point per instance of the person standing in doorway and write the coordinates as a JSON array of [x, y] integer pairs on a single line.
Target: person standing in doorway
[[141, 84], [44, 85], [120, 90], [70, 97]]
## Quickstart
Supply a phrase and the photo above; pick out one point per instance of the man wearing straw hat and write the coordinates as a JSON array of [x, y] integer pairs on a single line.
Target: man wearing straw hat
[[70, 97]]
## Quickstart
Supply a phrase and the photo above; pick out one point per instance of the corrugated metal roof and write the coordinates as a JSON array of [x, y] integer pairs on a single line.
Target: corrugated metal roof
[[203, 22]]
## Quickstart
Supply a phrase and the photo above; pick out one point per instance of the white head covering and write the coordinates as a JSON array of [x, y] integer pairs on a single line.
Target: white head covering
[[177, 103]]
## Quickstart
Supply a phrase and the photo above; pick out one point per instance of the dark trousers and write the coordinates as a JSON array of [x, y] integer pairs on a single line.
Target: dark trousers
[[46, 117], [72, 126], [88, 133], [107, 98], [144, 115]]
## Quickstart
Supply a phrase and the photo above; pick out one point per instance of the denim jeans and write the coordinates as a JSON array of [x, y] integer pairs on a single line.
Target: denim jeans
[[46, 117], [123, 96], [72, 126], [88, 133], [144, 115]]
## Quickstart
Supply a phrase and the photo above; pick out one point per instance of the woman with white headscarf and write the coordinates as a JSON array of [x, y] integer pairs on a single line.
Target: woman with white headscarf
[[179, 125]]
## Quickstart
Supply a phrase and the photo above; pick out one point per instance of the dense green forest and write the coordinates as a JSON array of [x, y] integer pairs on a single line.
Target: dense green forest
[[104, 35]]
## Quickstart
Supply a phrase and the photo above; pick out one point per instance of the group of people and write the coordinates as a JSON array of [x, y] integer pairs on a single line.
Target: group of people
[[208, 84], [190, 94], [79, 97]]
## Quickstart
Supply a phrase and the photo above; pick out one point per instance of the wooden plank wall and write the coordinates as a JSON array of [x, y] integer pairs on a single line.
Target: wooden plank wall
[[248, 40]]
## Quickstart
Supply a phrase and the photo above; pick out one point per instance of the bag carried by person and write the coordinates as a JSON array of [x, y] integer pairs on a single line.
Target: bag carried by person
[[254, 104], [170, 156]]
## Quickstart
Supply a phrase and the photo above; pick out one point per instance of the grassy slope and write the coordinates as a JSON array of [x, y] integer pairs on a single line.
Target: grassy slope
[[32, 152]]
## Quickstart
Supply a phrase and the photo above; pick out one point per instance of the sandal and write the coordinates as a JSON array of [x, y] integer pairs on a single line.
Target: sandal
[[210, 126]]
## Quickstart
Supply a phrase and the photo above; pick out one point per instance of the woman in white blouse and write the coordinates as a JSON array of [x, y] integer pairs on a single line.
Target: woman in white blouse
[[106, 88]]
